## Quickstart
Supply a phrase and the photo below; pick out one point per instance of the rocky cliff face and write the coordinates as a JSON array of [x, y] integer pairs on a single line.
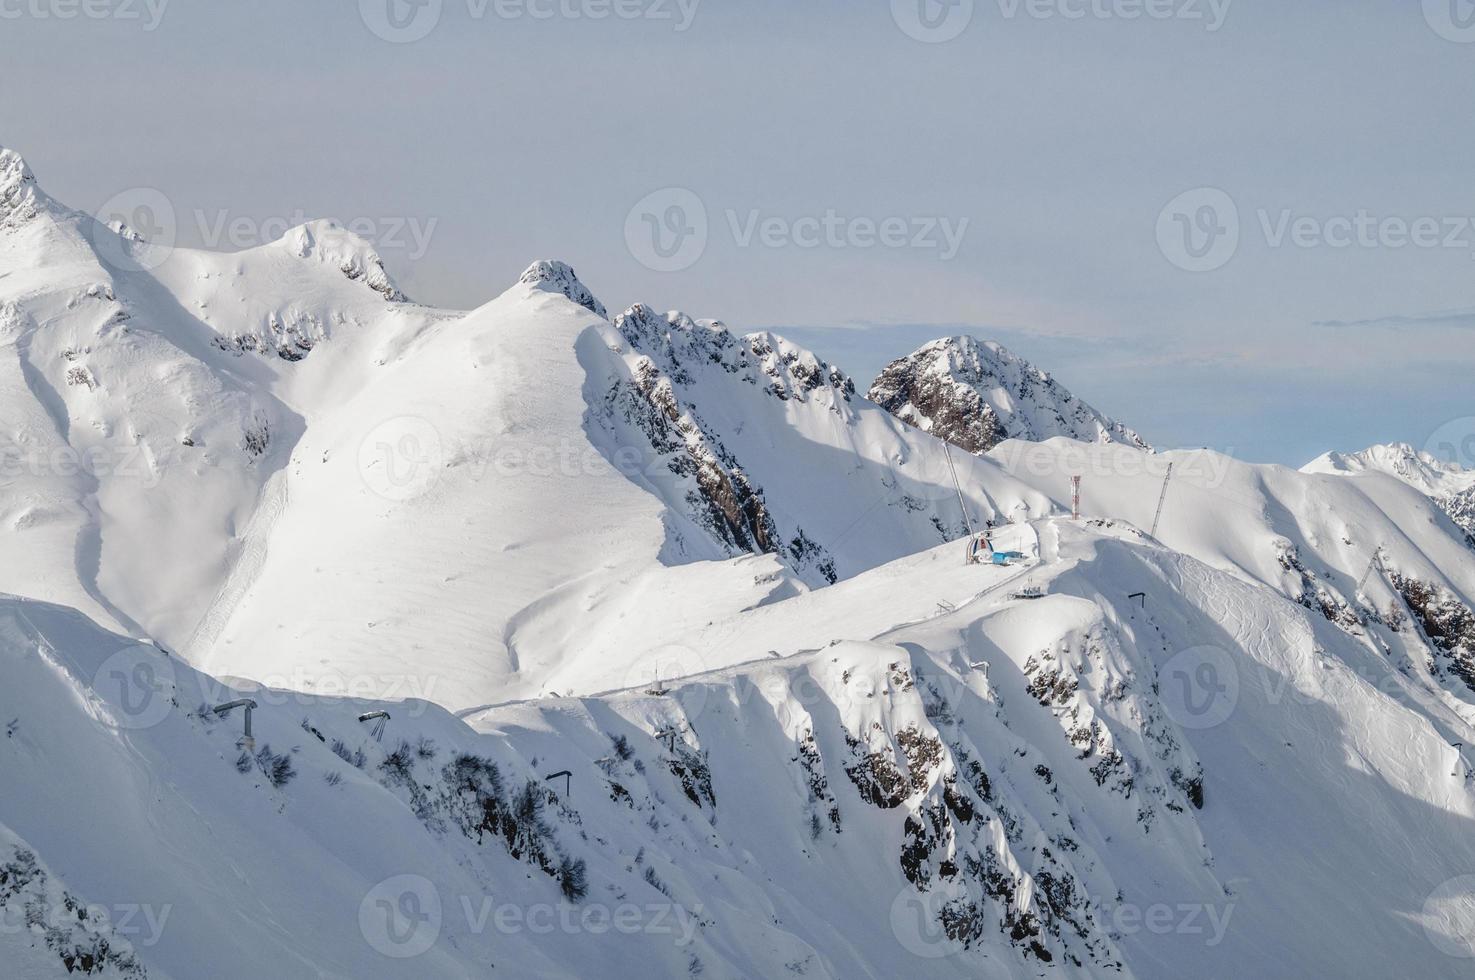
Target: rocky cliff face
[[975, 394], [669, 351]]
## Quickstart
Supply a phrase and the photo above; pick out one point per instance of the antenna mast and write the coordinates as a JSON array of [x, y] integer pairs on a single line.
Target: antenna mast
[[967, 522], [1162, 499]]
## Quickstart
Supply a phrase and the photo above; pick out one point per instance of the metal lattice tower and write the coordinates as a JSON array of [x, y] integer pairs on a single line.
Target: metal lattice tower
[[1371, 567], [1162, 499], [967, 522]]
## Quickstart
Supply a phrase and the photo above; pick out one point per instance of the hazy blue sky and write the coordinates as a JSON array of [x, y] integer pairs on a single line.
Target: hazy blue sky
[[1060, 139]]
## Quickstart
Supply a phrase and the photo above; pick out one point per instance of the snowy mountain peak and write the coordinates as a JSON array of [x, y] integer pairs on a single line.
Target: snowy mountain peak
[[679, 344], [20, 197], [559, 277], [330, 243], [975, 394], [1422, 469], [1450, 485]]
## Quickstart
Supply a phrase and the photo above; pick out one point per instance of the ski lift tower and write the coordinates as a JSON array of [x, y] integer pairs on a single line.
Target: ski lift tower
[[1075, 497]]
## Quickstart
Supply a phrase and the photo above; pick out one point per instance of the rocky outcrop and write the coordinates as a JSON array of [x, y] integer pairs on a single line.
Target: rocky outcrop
[[976, 394], [559, 277], [20, 198], [666, 353]]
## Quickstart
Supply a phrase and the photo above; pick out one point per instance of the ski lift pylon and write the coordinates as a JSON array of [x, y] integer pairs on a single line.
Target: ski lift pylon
[[380, 720]]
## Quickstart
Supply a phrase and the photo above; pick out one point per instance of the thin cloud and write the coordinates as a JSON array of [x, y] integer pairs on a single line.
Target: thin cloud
[[1451, 319]]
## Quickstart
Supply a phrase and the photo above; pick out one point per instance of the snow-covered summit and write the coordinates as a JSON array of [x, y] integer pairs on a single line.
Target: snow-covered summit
[[559, 277], [1450, 485], [975, 394], [331, 244], [1419, 469], [20, 197]]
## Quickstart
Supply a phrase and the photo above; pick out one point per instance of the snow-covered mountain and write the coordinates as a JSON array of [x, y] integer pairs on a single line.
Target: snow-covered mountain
[[975, 394], [264, 426], [685, 672], [1451, 485]]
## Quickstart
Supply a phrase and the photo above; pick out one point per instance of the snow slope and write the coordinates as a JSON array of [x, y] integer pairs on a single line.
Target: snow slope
[[975, 394], [1451, 485], [565, 501], [204, 445], [151, 397], [1357, 551], [1001, 787], [686, 671]]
